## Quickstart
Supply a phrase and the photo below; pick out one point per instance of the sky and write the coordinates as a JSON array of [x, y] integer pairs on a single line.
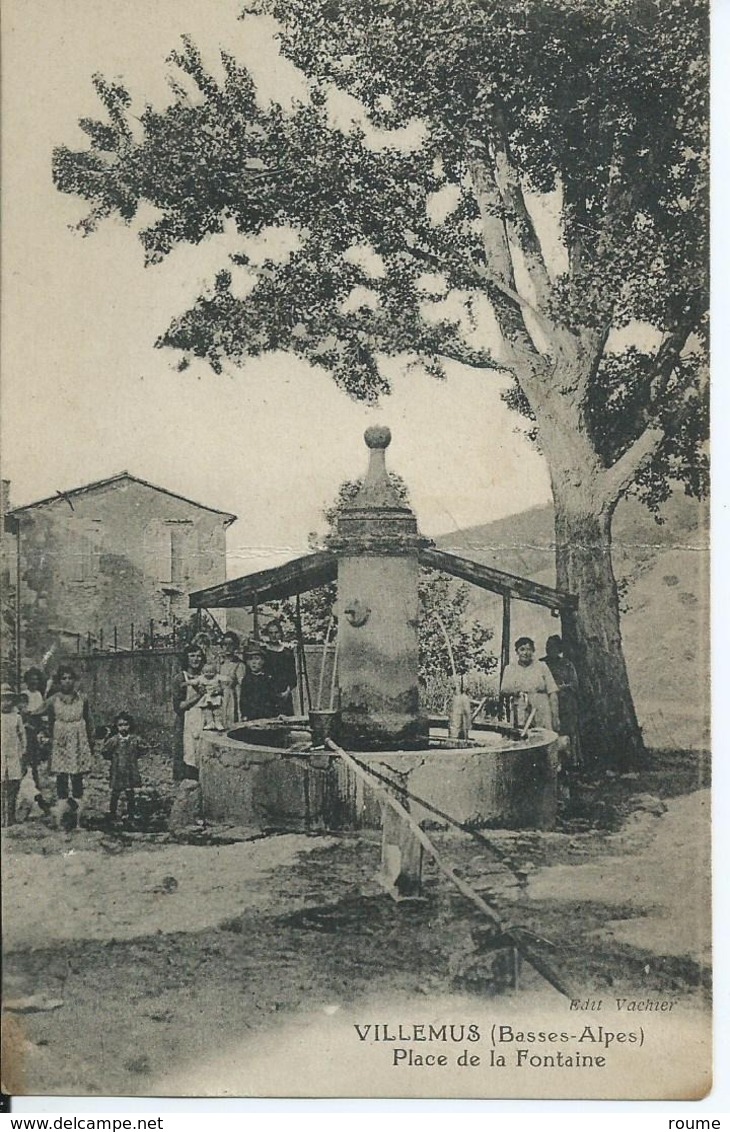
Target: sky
[[86, 395]]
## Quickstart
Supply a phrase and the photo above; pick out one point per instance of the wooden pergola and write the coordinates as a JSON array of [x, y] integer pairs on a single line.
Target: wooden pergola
[[320, 568]]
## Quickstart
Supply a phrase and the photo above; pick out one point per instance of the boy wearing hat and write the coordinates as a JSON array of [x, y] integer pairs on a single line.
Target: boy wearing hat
[[281, 666], [258, 695], [12, 753]]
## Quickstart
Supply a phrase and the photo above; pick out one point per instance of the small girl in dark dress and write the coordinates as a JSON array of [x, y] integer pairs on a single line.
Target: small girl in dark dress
[[123, 748]]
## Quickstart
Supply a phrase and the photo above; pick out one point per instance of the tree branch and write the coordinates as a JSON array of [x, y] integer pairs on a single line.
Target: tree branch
[[518, 221], [590, 242], [619, 202], [478, 359], [621, 475], [595, 344], [670, 350], [508, 305], [481, 277]]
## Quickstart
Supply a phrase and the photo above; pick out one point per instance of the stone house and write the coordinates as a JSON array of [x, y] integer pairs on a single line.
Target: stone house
[[119, 552]]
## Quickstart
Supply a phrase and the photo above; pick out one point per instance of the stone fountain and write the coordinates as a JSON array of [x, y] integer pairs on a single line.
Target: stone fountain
[[264, 775]]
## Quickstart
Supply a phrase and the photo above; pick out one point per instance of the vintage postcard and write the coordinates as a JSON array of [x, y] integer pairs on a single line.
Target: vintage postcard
[[355, 624]]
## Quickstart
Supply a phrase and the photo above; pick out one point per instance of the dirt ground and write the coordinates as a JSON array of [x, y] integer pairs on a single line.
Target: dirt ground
[[131, 957]]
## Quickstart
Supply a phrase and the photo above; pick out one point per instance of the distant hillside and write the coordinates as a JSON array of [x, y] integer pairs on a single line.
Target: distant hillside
[[663, 575]]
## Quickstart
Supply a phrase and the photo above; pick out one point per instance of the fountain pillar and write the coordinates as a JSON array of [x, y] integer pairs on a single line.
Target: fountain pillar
[[376, 542]]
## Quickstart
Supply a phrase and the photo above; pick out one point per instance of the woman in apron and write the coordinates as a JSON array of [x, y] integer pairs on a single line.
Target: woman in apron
[[188, 690]]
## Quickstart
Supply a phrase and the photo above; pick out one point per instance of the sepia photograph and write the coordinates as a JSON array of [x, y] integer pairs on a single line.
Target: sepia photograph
[[355, 549]]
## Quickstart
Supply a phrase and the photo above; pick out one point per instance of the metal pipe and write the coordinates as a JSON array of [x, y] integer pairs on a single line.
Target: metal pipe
[[324, 661], [506, 629], [333, 684], [449, 649]]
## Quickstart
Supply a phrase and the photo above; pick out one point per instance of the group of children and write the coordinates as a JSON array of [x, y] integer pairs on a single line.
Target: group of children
[[26, 744], [49, 723]]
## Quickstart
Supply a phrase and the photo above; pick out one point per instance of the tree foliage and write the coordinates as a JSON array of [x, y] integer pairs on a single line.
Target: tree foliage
[[604, 106]]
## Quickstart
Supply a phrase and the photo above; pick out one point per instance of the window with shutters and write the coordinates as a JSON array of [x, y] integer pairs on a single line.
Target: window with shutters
[[85, 550], [167, 543], [157, 551], [179, 539]]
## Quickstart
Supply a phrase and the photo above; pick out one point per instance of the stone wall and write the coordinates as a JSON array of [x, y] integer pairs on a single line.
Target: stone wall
[[139, 682]]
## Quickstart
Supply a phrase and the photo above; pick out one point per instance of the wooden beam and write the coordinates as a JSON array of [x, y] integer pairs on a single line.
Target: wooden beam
[[295, 577], [487, 578]]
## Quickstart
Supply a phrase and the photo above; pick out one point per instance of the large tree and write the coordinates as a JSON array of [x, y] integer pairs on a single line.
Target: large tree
[[598, 320]]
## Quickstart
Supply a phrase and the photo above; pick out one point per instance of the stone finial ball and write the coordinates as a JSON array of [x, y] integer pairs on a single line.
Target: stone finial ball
[[377, 436]]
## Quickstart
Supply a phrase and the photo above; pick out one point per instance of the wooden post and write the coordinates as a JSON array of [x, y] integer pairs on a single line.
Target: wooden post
[[402, 843], [131, 637], [18, 610], [115, 638], [152, 633], [303, 675], [401, 856], [506, 612], [568, 630], [255, 617], [569, 633], [101, 640]]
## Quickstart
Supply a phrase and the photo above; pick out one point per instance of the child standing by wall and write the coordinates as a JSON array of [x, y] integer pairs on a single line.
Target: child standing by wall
[[123, 749], [12, 753], [36, 726]]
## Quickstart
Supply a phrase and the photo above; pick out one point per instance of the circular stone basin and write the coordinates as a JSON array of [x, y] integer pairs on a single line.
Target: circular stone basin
[[488, 781], [262, 775]]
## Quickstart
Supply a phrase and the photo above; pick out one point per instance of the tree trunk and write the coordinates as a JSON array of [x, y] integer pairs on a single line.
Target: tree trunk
[[609, 727]]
